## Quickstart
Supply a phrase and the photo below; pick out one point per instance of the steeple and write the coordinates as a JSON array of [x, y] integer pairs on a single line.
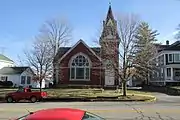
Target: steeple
[[109, 26], [109, 13], [109, 41]]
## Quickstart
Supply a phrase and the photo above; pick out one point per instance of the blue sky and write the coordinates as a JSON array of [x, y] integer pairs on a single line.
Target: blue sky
[[20, 20]]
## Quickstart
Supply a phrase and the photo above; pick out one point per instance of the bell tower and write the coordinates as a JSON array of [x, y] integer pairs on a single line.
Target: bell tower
[[109, 42]]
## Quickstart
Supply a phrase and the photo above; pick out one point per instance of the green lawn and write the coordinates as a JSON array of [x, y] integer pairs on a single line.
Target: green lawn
[[5, 91], [175, 87], [131, 92], [88, 93]]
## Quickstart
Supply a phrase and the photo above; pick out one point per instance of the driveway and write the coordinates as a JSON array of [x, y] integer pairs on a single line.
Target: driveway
[[164, 98]]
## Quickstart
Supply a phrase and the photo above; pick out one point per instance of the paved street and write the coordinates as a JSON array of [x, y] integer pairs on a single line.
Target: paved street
[[167, 107]]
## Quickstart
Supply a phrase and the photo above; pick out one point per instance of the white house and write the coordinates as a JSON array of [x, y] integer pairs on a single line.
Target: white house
[[45, 84], [5, 61], [20, 76]]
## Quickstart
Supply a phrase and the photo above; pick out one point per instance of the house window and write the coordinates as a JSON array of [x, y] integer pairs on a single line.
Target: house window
[[157, 74], [170, 57], [157, 61], [72, 73], [177, 73], [162, 72], [23, 78], [28, 80], [177, 57], [162, 60], [87, 73], [80, 68], [4, 78], [168, 72], [80, 73]]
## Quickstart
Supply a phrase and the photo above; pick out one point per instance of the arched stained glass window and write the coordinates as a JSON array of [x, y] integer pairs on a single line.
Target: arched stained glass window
[[80, 68]]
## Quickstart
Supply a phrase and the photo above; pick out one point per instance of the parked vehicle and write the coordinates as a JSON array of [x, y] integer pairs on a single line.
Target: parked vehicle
[[60, 114], [25, 94]]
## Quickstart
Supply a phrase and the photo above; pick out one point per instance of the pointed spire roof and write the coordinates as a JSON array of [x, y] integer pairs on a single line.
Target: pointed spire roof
[[110, 13]]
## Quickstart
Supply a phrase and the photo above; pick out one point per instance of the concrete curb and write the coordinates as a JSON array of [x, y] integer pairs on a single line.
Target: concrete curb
[[150, 100], [153, 99]]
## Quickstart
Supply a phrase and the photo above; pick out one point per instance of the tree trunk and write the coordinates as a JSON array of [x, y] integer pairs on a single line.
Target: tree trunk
[[40, 85], [41, 78], [124, 74], [124, 88]]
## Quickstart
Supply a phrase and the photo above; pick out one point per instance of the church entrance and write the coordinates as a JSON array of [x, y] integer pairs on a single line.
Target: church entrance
[[109, 77]]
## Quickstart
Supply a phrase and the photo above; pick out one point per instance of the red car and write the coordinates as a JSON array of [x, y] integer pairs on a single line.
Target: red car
[[25, 94], [60, 114]]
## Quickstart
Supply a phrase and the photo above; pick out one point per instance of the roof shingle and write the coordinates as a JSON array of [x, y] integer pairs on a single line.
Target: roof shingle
[[174, 46], [63, 50], [13, 70], [2, 57]]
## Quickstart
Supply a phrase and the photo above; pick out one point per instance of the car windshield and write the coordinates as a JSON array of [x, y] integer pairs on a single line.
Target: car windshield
[[20, 90], [91, 116], [23, 117]]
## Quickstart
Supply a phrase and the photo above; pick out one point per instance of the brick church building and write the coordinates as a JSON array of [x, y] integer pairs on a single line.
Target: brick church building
[[84, 65]]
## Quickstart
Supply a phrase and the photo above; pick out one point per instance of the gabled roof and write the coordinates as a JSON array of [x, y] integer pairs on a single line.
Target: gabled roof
[[2, 57], [63, 50], [97, 50], [66, 50], [160, 47], [13, 70], [174, 46]]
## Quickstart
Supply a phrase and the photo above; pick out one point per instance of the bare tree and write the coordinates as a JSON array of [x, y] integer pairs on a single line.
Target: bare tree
[[40, 58], [21, 61], [58, 32], [127, 27], [128, 62], [177, 36]]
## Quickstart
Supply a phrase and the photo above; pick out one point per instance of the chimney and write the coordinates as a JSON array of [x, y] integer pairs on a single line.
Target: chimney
[[167, 42]]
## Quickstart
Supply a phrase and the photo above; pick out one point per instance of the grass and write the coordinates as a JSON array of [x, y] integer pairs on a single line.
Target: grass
[[176, 87], [89, 93], [131, 92], [5, 91], [92, 93]]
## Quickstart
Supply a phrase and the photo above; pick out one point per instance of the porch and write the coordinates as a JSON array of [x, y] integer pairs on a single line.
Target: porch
[[173, 74]]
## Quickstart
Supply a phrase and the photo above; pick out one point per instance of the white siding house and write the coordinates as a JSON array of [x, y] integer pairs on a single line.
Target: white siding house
[[20, 76], [5, 62], [37, 84]]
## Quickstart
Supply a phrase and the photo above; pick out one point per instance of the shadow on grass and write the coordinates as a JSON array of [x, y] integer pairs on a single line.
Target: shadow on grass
[[153, 89]]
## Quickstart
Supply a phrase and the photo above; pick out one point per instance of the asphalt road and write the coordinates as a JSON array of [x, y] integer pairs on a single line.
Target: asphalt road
[[166, 108]]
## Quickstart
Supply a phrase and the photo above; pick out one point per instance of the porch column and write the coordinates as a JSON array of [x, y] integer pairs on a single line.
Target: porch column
[[171, 73]]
